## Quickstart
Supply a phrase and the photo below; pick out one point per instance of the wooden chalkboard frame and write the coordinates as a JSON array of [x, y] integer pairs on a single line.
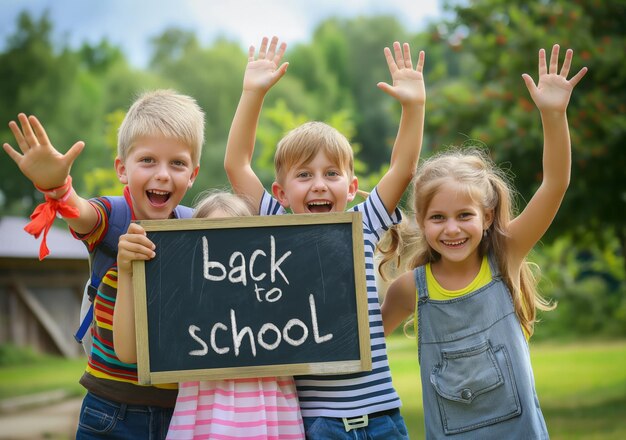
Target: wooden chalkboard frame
[[363, 363]]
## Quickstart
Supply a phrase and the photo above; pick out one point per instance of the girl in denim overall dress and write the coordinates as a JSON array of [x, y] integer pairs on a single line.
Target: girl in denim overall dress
[[471, 293]]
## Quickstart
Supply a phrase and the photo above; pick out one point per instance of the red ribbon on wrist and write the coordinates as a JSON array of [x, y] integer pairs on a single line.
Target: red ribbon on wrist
[[43, 216]]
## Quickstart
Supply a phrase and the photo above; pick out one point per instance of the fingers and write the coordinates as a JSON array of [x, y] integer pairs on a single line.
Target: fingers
[[135, 245], [280, 53], [386, 88], [398, 53], [19, 138], [530, 84], [272, 49], [39, 131], [401, 57], [27, 130], [272, 53], [136, 228], [543, 69], [407, 56], [420, 61], [554, 60], [74, 151], [578, 76], [17, 157], [567, 62], [554, 64], [263, 48], [390, 61]]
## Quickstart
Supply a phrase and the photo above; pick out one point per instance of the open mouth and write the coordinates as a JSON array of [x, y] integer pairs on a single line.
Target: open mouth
[[158, 198], [319, 206], [455, 243]]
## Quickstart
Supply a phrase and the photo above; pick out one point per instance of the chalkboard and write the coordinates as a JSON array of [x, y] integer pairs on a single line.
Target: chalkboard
[[252, 297]]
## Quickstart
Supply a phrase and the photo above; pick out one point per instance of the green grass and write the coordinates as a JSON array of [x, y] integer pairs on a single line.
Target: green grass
[[581, 387], [42, 374]]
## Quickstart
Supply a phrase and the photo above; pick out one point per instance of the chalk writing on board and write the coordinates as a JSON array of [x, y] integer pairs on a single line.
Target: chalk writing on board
[[252, 296], [278, 335]]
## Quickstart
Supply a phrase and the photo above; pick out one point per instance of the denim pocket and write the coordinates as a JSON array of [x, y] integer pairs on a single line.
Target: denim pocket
[[97, 417], [475, 387]]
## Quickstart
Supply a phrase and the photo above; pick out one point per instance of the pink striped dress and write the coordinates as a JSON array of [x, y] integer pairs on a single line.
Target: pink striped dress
[[263, 408]]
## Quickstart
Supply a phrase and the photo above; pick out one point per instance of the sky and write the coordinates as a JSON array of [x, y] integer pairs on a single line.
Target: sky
[[131, 23]]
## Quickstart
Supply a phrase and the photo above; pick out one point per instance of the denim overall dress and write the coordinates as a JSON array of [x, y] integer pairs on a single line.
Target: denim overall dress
[[477, 380]]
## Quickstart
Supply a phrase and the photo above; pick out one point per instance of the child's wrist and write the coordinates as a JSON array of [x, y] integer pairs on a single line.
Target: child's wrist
[[60, 193]]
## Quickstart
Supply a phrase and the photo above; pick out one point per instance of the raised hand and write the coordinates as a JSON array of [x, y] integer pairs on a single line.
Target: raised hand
[[40, 161], [553, 90], [134, 245], [263, 72], [408, 83]]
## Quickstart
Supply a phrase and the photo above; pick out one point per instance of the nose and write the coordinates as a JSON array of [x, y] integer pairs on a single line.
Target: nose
[[162, 173], [452, 227], [319, 184]]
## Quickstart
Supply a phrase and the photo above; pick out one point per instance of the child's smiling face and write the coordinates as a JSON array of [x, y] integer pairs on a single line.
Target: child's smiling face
[[454, 223], [158, 172], [318, 186]]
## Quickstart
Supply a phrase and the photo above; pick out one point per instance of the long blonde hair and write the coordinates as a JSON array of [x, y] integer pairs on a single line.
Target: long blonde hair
[[490, 187]]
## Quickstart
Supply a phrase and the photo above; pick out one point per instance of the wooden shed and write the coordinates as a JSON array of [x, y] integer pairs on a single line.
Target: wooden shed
[[40, 300]]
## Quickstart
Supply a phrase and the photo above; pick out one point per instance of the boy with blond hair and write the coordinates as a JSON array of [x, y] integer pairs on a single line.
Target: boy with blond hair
[[159, 147], [315, 173]]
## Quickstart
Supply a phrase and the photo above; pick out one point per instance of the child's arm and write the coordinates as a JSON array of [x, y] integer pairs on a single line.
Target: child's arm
[[47, 168], [134, 245], [551, 96], [408, 88], [399, 302], [260, 75]]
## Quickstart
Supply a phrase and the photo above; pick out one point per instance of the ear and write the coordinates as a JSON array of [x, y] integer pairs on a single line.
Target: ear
[[279, 194], [193, 176], [488, 219], [352, 188], [120, 168]]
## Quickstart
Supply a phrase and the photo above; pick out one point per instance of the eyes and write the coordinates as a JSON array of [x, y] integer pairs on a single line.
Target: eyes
[[462, 216], [309, 174], [177, 163]]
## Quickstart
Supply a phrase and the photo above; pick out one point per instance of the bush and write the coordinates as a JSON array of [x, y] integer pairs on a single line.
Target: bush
[[11, 355], [589, 286]]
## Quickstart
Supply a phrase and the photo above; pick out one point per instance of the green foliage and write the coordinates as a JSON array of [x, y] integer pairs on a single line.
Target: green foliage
[[277, 120], [103, 180], [474, 59], [11, 355], [589, 285], [502, 38]]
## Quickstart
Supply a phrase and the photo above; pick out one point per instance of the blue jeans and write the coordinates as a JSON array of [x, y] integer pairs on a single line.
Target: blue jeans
[[102, 418], [387, 427]]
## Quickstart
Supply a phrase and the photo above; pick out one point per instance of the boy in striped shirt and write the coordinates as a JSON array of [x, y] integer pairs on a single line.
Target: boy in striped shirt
[[315, 174]]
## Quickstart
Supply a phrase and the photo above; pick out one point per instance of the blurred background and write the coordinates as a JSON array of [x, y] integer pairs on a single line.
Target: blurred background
[[79, 65]]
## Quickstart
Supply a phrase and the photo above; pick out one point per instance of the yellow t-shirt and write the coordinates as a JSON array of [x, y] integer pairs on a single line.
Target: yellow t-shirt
[[437, 292]]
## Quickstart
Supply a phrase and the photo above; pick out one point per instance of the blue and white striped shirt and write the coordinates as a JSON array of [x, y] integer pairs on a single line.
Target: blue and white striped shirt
[[355, 394]]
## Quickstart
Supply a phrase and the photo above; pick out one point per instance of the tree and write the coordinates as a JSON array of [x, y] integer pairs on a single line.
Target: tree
[[35, 79], [488, 101]]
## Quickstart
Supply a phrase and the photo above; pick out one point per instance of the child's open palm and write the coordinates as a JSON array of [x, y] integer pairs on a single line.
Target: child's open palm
[[408, 83], [263, 72], [40, 161], [553, 91]]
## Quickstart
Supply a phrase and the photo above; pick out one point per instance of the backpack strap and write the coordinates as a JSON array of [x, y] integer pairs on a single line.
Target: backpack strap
[[105, 254]]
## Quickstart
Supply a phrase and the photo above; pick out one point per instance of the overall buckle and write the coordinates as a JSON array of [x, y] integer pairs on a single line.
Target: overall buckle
[[355, 422]]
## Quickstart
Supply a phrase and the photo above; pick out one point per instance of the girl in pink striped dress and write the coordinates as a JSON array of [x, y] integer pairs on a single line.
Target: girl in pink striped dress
[[264, 408]]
